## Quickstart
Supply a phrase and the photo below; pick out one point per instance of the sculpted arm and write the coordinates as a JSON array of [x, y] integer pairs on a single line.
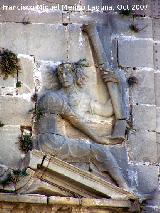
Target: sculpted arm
[[80, 124], [56, 104]]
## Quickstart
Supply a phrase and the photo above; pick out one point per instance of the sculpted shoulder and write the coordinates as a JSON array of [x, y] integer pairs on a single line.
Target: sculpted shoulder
[[52, 102]]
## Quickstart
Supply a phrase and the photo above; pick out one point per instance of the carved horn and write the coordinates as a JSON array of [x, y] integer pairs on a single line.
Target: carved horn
[[103, 66]]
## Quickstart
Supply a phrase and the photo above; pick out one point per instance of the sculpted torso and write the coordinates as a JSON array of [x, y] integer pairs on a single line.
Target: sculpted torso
[[78, 108]]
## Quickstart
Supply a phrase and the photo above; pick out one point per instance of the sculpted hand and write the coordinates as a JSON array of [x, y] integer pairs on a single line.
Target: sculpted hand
[[109, 76], [108, 140]]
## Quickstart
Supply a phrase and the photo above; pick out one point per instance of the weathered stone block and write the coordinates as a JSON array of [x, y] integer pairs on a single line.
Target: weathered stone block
[[158, 120], [157, 89], [120, 155], [40, 14], [78, 46], [15, 111], [121, 24], [144, 117], [158, 147], [156, 51], [145, 27], [147, 177], [142, 146], [135, 52], [10, 154], [150, 209], [9, 82], [155, 11], [11, 91], [143, 92], [91, 3], [53, 47], [40, 199], [154, 202], [26, 75], [156, 29], [44, 41]]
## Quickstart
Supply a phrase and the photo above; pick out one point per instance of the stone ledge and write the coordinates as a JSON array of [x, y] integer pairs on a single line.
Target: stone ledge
[[37, 199], [87, 202], [54, 200], [85, 179]]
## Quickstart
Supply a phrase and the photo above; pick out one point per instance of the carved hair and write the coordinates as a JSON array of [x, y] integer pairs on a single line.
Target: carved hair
[[75, 69]]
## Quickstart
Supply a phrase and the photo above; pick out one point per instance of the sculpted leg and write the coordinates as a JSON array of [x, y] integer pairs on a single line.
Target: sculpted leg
[[63, 147], [106, 162]]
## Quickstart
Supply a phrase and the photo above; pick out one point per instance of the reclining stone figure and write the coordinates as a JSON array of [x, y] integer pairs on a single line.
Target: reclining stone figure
[[61, 103]]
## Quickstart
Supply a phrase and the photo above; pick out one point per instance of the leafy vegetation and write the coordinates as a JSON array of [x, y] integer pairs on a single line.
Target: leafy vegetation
[[14, 177], [25, 143], [34, 97], [9, 63], [7, 180], [134, 28], [18, 84], [1, 124], [126, 12], [132, 81], [81, 63], [38, 113]]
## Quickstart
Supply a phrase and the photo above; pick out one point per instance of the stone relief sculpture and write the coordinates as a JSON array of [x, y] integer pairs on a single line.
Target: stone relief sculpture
[[66, 103], [81, 110]]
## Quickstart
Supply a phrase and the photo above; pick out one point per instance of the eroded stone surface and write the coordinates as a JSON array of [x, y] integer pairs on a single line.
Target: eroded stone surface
[[143, 147], [144, 91], [135, 52], [144, 117], [147, 178], [10, 155], [121, 24], [15, 111], [25, 76], [24, 40], [157, 88]]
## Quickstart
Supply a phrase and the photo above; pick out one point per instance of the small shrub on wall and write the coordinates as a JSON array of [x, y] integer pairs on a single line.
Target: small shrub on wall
[[9, 63]]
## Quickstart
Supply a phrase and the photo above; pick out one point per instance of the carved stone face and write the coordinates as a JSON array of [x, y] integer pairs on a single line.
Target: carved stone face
[[65, 75]]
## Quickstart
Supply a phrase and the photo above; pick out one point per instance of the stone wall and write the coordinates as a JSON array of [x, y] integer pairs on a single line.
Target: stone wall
[[42, 39]]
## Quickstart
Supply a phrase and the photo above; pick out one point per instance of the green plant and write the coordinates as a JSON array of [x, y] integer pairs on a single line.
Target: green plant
[[126, 12], [81, 63], [26, 21], [1, 124], [134, 28], [20, 173], [18, 84], [34, 97], [38, 113], [7, 180], [17, 174], [25, 142], [14, 176], [132, 80], [9, 63]]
